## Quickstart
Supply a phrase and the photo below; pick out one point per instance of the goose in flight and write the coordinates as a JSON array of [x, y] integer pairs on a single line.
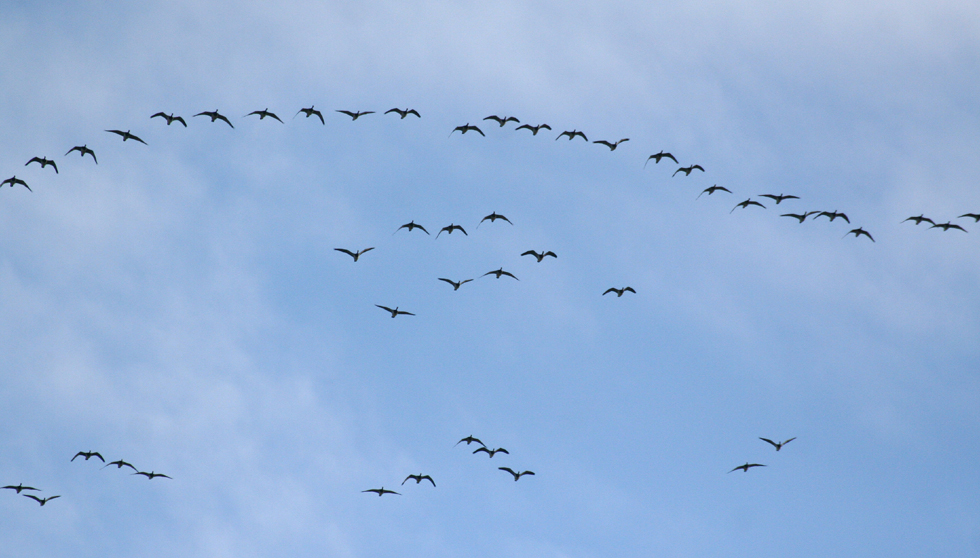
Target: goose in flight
[[404, 113], [394, 311], [466, 128], [419, 478], [490, 452], [619, 292], [516, 474], [449, 229], [151, 475], [801, 216], [88, 455], [571, 135], [41, 501], [745, 204], [503, 120], [411, 226], [611, 145], [779, 198], [658, 156], [493, 217], [777, 445], [120, 464], [858, 232], [126, 135], [833, 215], [310, 112], [84, 150], [381, 491], [534, 129], [918, 220], [170, 118], [499, 272], [946, 226], [43, 161], [456, 284], [13, 181], [974, 216], [214, 115], [354, 255], [712, 189], [687, 170], [355, 115], [747, 466], [263, 114], [540, 256], [469, 440], [20, 487]]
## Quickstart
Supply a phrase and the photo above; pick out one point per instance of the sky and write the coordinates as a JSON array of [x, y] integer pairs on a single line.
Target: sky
[[181, 305]]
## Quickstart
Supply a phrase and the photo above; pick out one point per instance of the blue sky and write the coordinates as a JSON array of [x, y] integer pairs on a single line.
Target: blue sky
[[181, 305]]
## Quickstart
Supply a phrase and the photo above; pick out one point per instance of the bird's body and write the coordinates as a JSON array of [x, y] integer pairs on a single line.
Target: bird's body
[[515, 473], [687, 170], [354, 255], [747, 203], [84, 150], [381, 491], [571, 135], [404, 113], [858, 232], [43, 161], [779, 198], [946, 226], [467, 128], [918, 220], [747, 466], [41, 501], [310, 112], [832, 215], [534, 129], [151, 475], [20, 487], [469, 440], [712, 189], [394, 311], [777, 445], [800, 216], [170, 118], [493, 217], [120, 464], [126, 135], [449, 229], [619, 292], [658, 156], [503, 120], [13, 181], [88, 455], [419, 478], [490, 452], [262, 114], [539, 255], [499, 272], [411, 226], [456, 284], [355, 115], [215, 115], [611, 145]]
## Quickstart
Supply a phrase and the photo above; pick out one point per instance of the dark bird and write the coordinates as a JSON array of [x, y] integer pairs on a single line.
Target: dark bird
[[747, 203], [84, 150], [747, 466], [355, 115], [449, 230], [619, 292], [539, 256], [456, 284], [946, 226], [801, 216], [712, 189], [88, 455], [262, 114], [20, 487], [404, 113], [466, 128], [611, 146], [44, 161], [493, 217], [657, 157], [516, 475], [858, 232], [41, 501], [469, 440], [310, 112], [490, 452], [216, 116], [974, 216], [534, 129], [918, 220], [381, 491], [151, 475], [411, 226], [687, 170], [777, 445], [833, 215], [394, 312], [503, 120], [499, 272], [354, 255], [571, 135], [419, 478], [170, 118], [126, 135], [778, 198], [120, 464], [13, 180]]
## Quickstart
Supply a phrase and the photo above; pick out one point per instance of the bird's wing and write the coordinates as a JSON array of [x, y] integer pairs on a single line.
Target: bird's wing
[[609, 290], [502, 450], [844, 217], [530, 253], [790, 440], [453, 283], [367, 249], [774, 444], [509, 470], [160, 114], [117, 132], [552, 254], [478, 130], [348, 113], [384, 308], [409, 476], [399, 112], [33, 497], [427, 477], [671, 157], [131, 136], [406, 313], [604, 142], [630, 289], [462, 229], [344, 250], [699, 167], [376, 490], [483, 449]]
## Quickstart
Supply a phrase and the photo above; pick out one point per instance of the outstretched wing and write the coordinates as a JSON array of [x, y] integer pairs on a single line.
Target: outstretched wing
[[346, 251]]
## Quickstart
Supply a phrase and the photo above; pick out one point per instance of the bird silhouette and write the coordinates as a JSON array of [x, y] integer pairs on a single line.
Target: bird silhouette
[[832, 215], [946, 226], [466, 128], [404, 113], [355, 115], [381, 491], [779, 198], [499, 272], [449, 229], [120, 464], [126, 135], [419, 478], [745, 204], [456, 284], [20, 487], [619, 292], [858, 232], [918, 220], [469, 440], [13, 180], [974, 216], [490, 452], [170, 118], [493, 217], [801, 216], [43, 161], [310, 112], [84, 150], [214, 115], [747, 466], [354, 255], [712, 189], [777, 445], [88, 455], [534, 129], [411, 226], [262, 114], [395, 311], [503, 120], [687, 170], [611, 145], [658, 156], [516, 474], [571, 135], [151, 475], [539, 256], [41, 501]]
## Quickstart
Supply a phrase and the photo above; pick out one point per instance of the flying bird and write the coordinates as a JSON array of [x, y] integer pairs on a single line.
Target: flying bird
[[747, 466], [394, 312], [974, 216], [126, 135], [946, 226], [469, 440], [13, 180], [534, 129], [611, 146], [619, 292], [801, 216], [745, 204], [539, 256], [411, 226], [571, 135], [658, 156], [712, 189], [20, 487], [88, 455], [264, 113], [503, 120], [918, 220], [310, 112], [120, 464], [41, 501], [516, 474], [170, 118], [490, 452], [151, 475], [419, 478], [858, 232], [777, 445], [779, 198], [84, 150], [449, 229], [687, 170], [404, 113], [44, 161], [833, 215], [354, 255], [381, 491], [456, 284], [466, 128], [355, 115], [216, 116], [493, 217], [499, 272]]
